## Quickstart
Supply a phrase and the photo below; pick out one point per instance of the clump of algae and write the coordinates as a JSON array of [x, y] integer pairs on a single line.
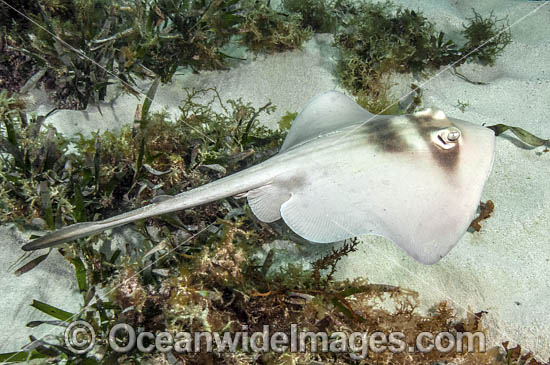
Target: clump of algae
[[266, 30], [78, 48], [380, 39]]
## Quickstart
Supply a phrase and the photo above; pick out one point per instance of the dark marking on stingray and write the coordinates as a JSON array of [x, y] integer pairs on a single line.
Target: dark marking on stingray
[[294, 182], [425, 126], [388, 136], [447, 159], [385, 136]]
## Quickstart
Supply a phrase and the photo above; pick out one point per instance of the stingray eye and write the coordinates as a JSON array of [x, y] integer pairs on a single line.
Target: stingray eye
[[453, 134], [447, 138]]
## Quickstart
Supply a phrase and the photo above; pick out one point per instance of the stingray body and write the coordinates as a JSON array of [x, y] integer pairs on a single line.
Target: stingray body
[[343, 172]]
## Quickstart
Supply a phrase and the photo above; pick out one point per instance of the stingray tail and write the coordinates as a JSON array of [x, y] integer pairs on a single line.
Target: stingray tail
[[78, 230], [228, 186]]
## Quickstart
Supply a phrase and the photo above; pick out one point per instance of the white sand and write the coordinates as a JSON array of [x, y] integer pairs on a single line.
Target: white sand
[[53, 282], [502, 269]]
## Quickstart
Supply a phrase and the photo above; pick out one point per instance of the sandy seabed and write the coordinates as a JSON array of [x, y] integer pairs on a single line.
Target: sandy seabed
[[502, 270]]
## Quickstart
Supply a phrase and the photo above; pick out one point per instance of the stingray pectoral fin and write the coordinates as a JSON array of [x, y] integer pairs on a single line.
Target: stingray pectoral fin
[[265, 201], [419, 226], [325, 220]]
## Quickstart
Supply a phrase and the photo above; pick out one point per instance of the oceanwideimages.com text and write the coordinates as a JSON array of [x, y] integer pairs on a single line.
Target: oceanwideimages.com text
[[80, 338]]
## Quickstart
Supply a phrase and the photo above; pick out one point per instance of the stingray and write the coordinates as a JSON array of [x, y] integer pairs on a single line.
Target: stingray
[[343, 172]]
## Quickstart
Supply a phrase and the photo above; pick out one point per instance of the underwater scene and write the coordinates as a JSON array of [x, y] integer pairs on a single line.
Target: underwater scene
[[275, 182]]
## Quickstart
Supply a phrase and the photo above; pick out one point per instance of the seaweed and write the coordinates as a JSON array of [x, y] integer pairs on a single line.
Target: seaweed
[[189, 299], [85, 46], [12, 18], [109, 169], [266, 30], [329, 262], [516, 356], [84, 55], [376, 42], [15, 66], [317, 15], [524, 136], [380, 101], [462, 105], [286, 120], [486, 209], [379, 39], [486, 38], [175, 34], [60, 38]]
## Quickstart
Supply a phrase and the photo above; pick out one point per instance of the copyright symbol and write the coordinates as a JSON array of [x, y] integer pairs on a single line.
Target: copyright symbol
[[79, 337]]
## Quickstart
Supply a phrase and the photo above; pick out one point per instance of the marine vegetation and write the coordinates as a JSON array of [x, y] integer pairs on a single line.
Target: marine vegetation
[[486, 38], [110, 170], [98, 43], [485, 211], [380, 39], [317, 15], [266, 30], [83, 46]]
